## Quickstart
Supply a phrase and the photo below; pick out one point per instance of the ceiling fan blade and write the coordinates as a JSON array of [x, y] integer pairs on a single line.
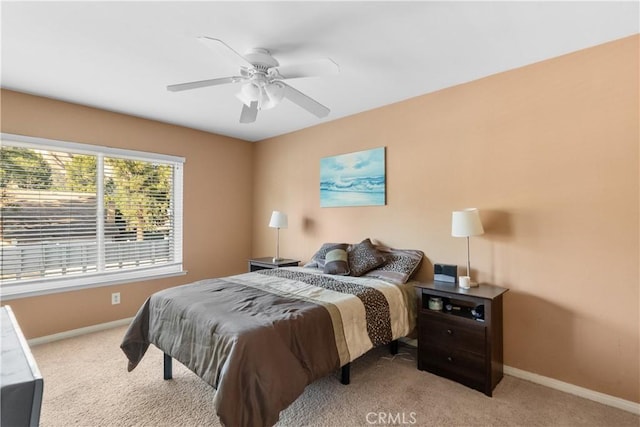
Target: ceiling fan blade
[[205, 83], [321, 67], [249, 114], [299, 98], [225, 51]]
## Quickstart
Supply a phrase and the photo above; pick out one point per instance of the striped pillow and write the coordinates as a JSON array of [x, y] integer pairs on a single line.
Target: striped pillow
[[319, 256], [337, 260]]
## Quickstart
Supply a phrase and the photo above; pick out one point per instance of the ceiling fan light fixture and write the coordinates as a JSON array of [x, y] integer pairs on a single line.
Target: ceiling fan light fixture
[[242, 97], [261, 80], [274, 92], [248, 94], [251, 91]]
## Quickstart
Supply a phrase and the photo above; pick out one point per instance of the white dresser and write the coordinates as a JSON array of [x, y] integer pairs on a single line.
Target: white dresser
[[20, 380]]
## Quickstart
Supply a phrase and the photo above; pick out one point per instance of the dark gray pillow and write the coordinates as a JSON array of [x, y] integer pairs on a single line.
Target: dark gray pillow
[[337, 260], [364, 257]]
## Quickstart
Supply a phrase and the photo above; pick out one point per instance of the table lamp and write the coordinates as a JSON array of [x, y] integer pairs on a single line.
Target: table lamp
[[278, 221], [466, 223]]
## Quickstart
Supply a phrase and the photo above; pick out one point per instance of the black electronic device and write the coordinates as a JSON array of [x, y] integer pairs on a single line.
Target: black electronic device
[[445, 273]]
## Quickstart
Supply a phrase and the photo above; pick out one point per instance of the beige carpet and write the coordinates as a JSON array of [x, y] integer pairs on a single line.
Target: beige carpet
[[86, 383]]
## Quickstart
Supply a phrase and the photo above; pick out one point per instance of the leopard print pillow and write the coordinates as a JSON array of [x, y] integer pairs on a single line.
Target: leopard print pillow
[[364, 257], [401, 264]]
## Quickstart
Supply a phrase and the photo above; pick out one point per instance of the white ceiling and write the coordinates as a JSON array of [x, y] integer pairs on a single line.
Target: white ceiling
[[120, 56]]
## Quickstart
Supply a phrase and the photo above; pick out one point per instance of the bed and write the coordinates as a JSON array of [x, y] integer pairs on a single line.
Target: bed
[[260, 338]]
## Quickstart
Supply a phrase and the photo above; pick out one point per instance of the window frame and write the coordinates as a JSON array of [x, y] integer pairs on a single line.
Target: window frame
[[41, 286]]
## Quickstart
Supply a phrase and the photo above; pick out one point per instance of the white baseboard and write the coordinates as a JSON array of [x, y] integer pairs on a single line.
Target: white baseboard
[[596, 396], [605, 399], [80, 331]]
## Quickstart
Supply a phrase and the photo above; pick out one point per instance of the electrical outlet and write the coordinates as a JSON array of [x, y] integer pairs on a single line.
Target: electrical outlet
[[115, 298]]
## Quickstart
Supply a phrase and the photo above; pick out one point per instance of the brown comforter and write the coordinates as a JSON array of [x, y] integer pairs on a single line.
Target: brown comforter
[[260, 338]]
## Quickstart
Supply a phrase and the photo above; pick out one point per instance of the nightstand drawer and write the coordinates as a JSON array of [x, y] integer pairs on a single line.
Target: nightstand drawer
[[464, 367], [451, 333]]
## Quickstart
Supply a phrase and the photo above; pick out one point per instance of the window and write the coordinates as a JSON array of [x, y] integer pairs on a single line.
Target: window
[[75, 215]]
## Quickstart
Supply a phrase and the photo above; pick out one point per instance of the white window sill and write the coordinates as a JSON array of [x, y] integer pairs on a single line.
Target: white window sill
[[13, 290]]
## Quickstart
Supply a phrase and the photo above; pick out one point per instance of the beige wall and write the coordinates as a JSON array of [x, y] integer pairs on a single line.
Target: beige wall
[[548, 153], [209, 249]]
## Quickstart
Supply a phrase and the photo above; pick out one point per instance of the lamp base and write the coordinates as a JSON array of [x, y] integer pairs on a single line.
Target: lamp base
[[465, 282]]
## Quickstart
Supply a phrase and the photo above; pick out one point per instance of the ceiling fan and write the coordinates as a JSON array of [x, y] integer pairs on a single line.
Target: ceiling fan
[[262, 80]]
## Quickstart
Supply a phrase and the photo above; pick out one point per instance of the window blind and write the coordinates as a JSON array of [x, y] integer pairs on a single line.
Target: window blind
[[79, 215]]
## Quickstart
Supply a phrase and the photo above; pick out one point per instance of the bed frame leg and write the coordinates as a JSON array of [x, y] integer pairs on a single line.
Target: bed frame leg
[[168, 368], [344, 375], [393, 347]]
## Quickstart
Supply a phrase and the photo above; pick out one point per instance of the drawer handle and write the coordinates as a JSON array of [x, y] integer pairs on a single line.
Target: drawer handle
[[449, 331]]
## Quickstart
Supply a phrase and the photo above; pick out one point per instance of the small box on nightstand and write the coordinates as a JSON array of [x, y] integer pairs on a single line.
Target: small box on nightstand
[[445, 273]]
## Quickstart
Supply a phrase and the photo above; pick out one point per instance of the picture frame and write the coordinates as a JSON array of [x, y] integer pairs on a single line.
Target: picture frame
[[354, 179]]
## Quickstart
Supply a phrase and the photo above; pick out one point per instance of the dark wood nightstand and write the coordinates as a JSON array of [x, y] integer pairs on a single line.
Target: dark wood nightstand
[[256, 264], [457, 342]]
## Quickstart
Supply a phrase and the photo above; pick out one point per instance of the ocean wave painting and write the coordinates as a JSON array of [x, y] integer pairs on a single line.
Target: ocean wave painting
[[353, 179]]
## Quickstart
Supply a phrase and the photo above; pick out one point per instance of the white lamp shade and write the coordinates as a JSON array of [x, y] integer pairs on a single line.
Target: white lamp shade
[[466, 223], [251, 91], [278, 220], [274, 93]]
